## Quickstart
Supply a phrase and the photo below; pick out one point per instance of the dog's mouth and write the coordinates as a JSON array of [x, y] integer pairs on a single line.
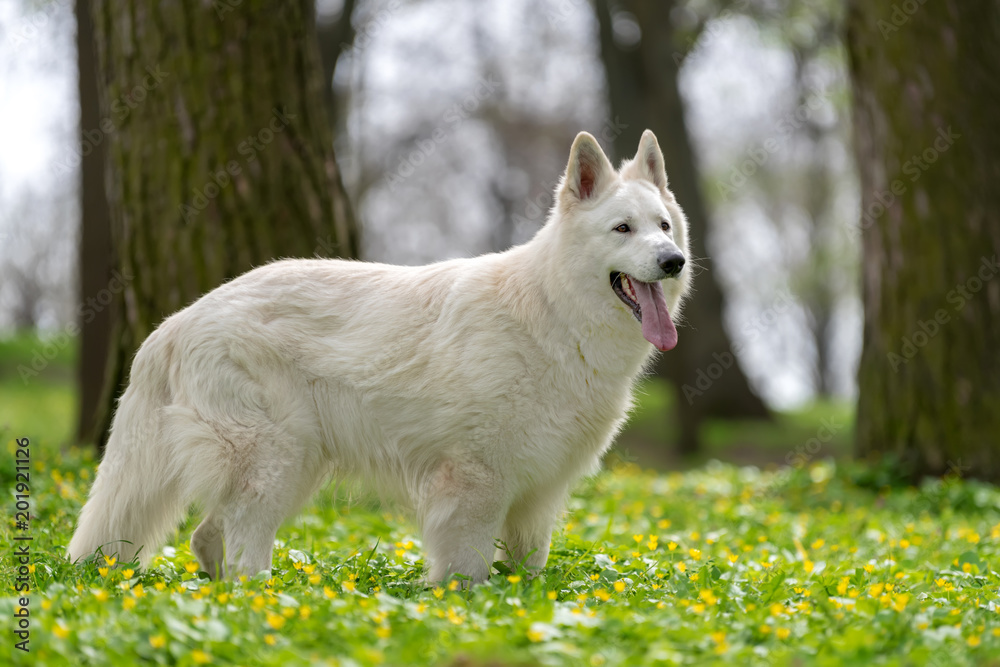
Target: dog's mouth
[[649, 306]]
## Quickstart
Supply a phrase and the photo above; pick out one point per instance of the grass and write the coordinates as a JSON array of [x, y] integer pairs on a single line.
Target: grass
[[815, 564]]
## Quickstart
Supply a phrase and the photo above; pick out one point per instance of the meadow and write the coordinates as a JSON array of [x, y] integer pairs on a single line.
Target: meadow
[[825, 562]]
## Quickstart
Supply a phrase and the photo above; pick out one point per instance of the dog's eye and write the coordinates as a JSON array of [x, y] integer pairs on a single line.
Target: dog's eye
[[665, 226], [623, 228]]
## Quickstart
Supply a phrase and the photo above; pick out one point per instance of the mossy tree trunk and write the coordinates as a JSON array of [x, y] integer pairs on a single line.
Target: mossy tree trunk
[[220, 155], [926, 80], [644, 93]]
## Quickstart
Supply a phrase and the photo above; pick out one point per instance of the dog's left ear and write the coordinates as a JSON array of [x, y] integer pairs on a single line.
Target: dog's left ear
[[589, 171], [649, 161]]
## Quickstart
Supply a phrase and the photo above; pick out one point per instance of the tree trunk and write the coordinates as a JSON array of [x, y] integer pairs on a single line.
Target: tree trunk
[[926, 93], [219, 151], [644, 93], [95, 235]]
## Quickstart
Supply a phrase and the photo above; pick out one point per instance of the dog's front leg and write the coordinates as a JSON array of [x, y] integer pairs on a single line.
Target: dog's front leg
[[527, 529], [461, 514]]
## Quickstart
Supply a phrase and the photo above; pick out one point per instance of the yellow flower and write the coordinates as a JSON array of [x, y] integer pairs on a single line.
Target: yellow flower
[[535, 636], [818, 544], [127, 573], [101, 595], [454, 584], [876, 590], [904, 543], [110, 560], [619, 586], [200, 657], [777, 609], [973, 641], [276, 621], [765, 629], [695, 553], [808, 566], [663, 524], [223, 598], [60, 630], [329, 592], [348, 585], [270, 639], [671, 545], [160, 586], [314, 579], [899, 604], [453, 616], [552, 595], [103, 571], [638, 538], [438, 592], [718, 637], [514, 578], [157, 641], [733, 558], [191, 568], [842, 585], [595, 577], [305, 612], [681, 567], [297, 565], [383, 632], [128, 604], [783, 633], [869, 567], [698, 608], [602, 595]]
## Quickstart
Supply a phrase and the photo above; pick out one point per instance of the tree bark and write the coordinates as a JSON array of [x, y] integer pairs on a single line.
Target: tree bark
[[926, 90], [95, 235], [219, 151], [644, 93]]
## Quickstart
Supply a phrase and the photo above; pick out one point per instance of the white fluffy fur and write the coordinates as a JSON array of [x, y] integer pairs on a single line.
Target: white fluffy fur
[[475, 391]]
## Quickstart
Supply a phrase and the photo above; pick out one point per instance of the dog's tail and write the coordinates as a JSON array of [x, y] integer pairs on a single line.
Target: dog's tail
[[134, 503]]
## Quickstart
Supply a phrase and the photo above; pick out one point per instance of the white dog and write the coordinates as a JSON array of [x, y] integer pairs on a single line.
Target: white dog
[[474, 391]]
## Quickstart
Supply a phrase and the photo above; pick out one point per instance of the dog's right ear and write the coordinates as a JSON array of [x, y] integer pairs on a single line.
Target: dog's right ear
[[589, 171]]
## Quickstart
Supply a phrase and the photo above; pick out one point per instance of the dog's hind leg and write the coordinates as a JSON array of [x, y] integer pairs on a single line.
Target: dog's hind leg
[[206, 543]]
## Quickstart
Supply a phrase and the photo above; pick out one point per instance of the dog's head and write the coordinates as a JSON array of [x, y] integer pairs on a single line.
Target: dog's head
[[627, 225]]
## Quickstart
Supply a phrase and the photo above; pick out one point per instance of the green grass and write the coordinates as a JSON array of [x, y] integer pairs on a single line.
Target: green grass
[[817, 564]]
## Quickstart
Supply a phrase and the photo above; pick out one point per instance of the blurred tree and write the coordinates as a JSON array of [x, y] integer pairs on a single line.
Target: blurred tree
[[642, 62], [96, 256], [926, 92], [219, 151]]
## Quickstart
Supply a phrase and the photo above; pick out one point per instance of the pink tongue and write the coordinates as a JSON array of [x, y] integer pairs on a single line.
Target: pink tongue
[[657, 327]]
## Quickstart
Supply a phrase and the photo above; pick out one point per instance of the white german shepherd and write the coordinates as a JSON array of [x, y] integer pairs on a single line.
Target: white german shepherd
[[474, 391]]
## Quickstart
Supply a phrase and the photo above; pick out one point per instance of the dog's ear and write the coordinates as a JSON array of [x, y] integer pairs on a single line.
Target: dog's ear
[[648, 161], [589, 171]]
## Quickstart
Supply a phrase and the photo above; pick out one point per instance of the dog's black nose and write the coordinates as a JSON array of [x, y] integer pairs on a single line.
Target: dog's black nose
[[672, 263]]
